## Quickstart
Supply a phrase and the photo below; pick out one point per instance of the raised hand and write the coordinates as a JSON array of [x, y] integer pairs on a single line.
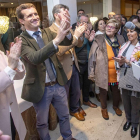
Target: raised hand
[[80, 29], [87, 34], [91, 36], [62, 31], [15, 51]]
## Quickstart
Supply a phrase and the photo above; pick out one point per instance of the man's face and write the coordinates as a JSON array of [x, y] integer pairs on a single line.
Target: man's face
[[80, 13], [31, 20], [84, 19], [118, 17]]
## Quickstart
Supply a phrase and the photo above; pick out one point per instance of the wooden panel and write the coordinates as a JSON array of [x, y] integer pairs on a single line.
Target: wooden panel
[[128, 9], [135, 8]]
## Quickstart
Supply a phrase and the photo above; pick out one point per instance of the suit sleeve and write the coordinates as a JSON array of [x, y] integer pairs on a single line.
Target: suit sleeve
[[36, 56], [63, 49]]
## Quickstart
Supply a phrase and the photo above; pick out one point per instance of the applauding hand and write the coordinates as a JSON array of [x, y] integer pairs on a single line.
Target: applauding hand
[[64, 27], [15, 51], [91, 36], [80, 30]]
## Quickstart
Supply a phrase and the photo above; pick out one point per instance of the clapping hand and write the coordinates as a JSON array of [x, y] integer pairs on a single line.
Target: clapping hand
[[64, 27], [80, 29], [14, 54], [91, 36]]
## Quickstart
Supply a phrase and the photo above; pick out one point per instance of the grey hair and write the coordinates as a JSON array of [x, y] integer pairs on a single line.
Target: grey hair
[[79, 17]]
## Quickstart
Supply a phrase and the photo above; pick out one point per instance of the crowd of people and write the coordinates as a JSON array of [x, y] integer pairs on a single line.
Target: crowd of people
[[63, 62]]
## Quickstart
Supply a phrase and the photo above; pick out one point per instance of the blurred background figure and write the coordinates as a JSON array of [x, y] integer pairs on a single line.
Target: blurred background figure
[[111, 15], [99, 27], [134, 18], [105, 19], [138, 13], [80, 12], [124, 20], [45, 22]]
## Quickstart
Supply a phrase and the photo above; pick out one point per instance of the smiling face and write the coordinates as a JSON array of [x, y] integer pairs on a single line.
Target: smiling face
[[101, 26], [132, 35], [111, 29], [31, 20]]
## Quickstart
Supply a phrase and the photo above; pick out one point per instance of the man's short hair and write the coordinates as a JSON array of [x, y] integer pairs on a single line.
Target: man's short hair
[[79, 17], [22, 7], [81, 10], [56, 8]]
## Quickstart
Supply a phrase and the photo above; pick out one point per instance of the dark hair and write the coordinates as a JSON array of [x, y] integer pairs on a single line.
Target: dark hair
[[134, 17], [105, 19], [124, 18], [81, 10], [96, 24], [56, 8], [22, 7], [137, 11]]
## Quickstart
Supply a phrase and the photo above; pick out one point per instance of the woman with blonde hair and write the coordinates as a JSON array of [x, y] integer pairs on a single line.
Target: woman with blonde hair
[[102, 66]]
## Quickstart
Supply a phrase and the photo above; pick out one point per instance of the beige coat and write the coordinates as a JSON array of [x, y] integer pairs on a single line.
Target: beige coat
[[64, 54], [8, 98], [98, 61]]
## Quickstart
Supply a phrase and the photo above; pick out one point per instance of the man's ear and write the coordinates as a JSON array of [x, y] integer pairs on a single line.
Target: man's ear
[[56, 16], [21, 21]]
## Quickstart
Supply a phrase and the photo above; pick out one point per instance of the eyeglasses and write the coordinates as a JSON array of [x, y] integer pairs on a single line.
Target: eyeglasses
[[111, 27]]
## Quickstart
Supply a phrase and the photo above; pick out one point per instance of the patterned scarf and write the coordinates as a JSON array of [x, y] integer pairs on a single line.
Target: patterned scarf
[[115, 45]]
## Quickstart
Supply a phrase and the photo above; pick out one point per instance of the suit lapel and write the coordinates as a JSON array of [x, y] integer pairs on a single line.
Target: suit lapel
[[31, 40]]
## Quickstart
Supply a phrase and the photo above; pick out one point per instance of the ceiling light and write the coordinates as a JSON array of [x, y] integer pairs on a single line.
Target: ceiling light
[[12, 3]]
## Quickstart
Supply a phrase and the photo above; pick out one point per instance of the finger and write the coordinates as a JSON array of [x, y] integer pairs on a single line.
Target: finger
[[7, 53], [68, 29], [11, 44], [67, 12], [68, 17], [16, 39]]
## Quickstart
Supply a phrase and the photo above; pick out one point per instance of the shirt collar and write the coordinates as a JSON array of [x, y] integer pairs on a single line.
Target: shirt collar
[[56, 24], [31, 32]]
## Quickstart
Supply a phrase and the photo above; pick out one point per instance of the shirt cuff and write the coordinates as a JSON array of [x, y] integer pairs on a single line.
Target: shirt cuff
[[19, 67], [75, 37], [56, 47], [10, 72]]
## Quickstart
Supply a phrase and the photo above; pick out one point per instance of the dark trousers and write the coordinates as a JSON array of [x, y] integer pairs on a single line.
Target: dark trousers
[[13, 129], [57, 96], [73, 90], [131, 107], [84, 81], [116, 96]]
